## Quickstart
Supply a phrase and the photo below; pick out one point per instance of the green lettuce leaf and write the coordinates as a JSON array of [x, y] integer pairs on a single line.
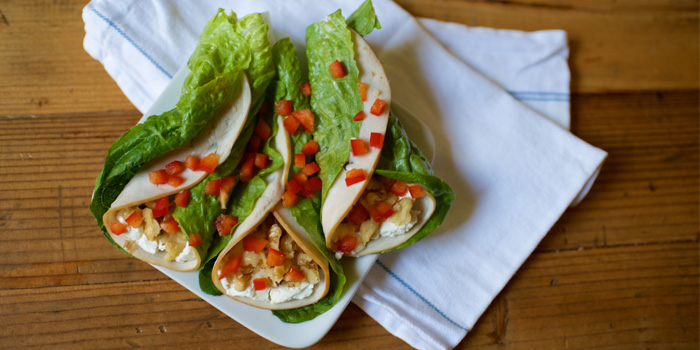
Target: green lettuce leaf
[[402, 160], [203, 209], [364, 20], [334, 101], [307, 210], [216, 65]]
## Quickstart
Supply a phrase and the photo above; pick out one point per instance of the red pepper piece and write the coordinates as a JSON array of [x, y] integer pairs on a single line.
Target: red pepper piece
[[230, 267], [275, 257], [346, 244], [158, 177], [117, 228], [254, 244], [182, 198], [208, 163], [378, 107]]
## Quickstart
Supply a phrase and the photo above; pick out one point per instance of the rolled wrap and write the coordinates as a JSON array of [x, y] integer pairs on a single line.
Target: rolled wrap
[[218, 137]]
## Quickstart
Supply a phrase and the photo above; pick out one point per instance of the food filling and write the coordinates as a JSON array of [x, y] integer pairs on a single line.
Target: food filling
[[267, 265], [385, 209], [147, 229]]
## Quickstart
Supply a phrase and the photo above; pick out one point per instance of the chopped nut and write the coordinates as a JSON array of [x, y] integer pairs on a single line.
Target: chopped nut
[[391, 199], [151, 226], [402, 215], [311, 274], [172, 250], [251, 258], [304, 260], [368, 229], [240, 283], [130, 246], [287, 244], [274, 236]]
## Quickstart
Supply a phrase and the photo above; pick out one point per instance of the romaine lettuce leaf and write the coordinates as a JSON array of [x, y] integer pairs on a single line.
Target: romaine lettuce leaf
[[216, 65], [364, 20], [402, 160], [334, 101]]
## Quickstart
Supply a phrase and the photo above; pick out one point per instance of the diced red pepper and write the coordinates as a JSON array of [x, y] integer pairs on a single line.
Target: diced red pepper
[[262, 130], [289, 199], [213, 187], [283, 107], [261, 161], [306, 89], [195, 240], [254, 244], [378, 107], [363, 90], [399, 188], [291, 124], [354, 176], [170, 226], [310, 148], [314, 184], [248, 156], [381, 211], [230, 267], [117, 228], [226, 188], [299, 160], [376, 140], [227, 184], [135, 219], [293, 186], [182, 198], [175, 180], [293, 275], [225, 223], [358, 147], [306, 118], [307, 194], [359, 116], [300, 178], [337, 70], [260, 283], [192, 162], [347, 243], [311, 169], [246, 172], [275, 257], [416, 191], [158, 177], [208, 163], [175, 167], [161, 207], [358, 214], [254, 144]]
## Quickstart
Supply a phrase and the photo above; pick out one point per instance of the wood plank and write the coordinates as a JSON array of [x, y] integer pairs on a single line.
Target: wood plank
[[665, 57], [43, 65], [609, 297], [625, 297], [71, 81], [649, 187]]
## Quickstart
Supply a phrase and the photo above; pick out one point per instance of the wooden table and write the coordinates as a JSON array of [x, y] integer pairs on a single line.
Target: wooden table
[[618, 271]]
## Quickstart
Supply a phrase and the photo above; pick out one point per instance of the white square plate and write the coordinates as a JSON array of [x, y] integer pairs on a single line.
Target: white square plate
[[263, 322]]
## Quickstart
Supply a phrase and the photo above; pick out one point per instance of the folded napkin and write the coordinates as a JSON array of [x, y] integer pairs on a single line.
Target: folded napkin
[[496, 101]]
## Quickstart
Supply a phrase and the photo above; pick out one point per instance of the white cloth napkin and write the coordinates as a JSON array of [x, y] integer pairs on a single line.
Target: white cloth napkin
[[496, 101]]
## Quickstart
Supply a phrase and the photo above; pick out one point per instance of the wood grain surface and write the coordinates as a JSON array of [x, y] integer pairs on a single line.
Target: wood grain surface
[[619, 271]]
